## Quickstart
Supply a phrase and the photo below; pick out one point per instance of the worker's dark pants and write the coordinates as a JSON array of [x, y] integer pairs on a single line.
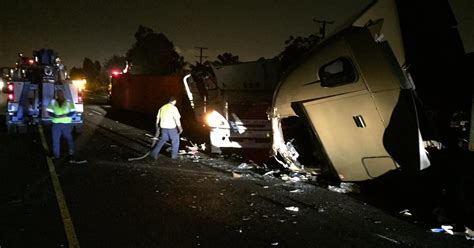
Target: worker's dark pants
[[166, 135], [65, 130]]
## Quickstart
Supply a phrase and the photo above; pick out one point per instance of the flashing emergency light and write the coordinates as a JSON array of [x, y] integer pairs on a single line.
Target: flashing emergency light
[[31, 61], [10, 90], [115, 73]]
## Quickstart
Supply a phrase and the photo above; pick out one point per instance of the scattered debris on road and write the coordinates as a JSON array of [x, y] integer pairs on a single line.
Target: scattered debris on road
[[236, 175], [244, 166], [292, 208], [449, 229], [406, 213], [345, 188], [389, 239], [297, 191], [469, 233]]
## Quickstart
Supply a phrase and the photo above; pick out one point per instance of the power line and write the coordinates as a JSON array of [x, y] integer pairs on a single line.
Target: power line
[[322, 29], [200, 53]]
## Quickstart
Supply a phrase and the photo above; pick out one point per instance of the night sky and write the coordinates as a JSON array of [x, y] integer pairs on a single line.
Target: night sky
[[251, 29]]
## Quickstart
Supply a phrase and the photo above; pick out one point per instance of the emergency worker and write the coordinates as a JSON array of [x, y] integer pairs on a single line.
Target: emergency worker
[[62, 110], [168, 124]]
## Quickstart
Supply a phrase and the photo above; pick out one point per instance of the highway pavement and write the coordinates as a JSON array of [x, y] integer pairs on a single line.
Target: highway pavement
[[209, 202]]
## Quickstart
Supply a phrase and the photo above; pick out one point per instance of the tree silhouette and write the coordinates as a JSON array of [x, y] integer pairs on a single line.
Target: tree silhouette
[[227, 59], [295, 48], [91, 69], [115, 62], [153, 53], [77, 73]]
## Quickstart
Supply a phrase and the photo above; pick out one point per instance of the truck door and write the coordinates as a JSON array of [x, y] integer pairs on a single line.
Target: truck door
[[351, 131], [349, 124]]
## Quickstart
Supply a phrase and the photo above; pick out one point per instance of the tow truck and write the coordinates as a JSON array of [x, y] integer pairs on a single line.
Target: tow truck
[[33, 83]]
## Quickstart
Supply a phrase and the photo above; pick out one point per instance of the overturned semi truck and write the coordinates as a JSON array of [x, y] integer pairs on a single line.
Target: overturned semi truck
[[350, 106]]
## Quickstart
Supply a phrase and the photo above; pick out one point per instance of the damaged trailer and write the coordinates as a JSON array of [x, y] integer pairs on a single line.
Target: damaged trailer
[[232, 103], [349, 106]]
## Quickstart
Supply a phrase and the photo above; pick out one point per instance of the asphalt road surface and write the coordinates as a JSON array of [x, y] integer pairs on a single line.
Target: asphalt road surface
[[113, 202]]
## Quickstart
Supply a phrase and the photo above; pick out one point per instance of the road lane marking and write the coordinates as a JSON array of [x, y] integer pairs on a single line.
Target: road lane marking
[[66, 217]]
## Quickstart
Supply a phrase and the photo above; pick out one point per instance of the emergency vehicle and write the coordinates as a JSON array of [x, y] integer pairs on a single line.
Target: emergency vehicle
[[33, 83]]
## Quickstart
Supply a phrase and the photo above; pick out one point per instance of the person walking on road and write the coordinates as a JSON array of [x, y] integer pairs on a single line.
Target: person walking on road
[[62, 110], [168, 124]]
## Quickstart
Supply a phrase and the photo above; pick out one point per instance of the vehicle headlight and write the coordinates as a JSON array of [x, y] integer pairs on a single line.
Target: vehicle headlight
[[80, 84], [214, 119]]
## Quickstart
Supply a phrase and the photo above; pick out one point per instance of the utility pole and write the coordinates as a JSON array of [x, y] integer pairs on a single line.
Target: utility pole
[[322, 29], [200, 53]]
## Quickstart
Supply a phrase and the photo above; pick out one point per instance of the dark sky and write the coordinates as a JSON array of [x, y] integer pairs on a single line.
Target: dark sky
[[98, 29]]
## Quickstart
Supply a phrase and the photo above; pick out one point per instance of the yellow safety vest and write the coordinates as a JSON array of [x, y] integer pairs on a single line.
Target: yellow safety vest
[[66, 108]]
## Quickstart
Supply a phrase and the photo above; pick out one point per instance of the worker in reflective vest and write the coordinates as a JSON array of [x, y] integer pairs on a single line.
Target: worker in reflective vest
[[169, 125], [62, 110]]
